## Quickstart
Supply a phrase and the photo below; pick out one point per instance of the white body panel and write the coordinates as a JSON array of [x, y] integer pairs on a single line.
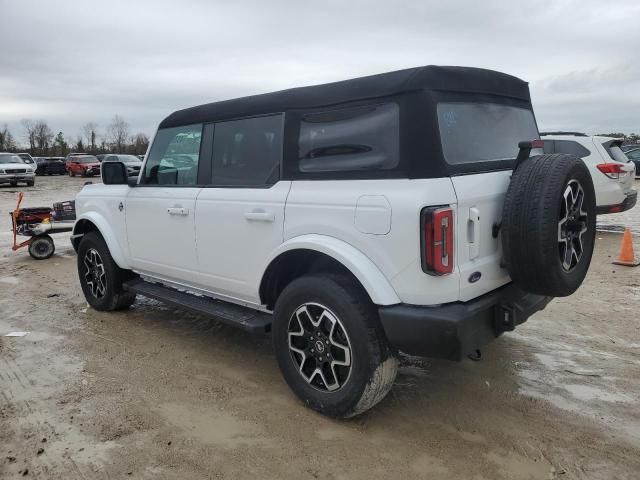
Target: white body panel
[[161, 231], [480, 202], [100, 204], [236, 229], [328, 208], [220, 241]]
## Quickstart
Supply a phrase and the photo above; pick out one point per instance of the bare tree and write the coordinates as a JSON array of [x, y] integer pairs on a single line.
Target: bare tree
[[118, 133], [90, 129], [139, 143], [28, 125], [43, 136]]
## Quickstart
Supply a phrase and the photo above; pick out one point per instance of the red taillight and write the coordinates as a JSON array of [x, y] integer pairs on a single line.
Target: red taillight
[[611, 170], [437, 240]]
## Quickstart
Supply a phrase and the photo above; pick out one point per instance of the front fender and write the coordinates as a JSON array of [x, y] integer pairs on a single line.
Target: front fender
[[374, 282], [115, 248]]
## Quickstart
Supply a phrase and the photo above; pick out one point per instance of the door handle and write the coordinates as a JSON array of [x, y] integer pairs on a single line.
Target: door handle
[[473, 225], [178, 211], [259, 216]]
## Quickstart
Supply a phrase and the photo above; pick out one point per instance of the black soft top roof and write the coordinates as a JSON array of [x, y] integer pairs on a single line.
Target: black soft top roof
[[435, 78]]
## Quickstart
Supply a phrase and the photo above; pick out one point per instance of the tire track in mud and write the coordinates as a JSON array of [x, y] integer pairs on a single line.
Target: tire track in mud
[[17, 385]]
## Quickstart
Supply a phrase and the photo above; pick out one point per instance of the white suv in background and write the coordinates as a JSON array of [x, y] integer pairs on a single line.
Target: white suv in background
[[612, 172], [351, 220]]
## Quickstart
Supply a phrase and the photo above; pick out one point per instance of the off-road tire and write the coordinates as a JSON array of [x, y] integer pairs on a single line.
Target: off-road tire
[[532, 241], [114, 296], [41, 247], [373, 362]]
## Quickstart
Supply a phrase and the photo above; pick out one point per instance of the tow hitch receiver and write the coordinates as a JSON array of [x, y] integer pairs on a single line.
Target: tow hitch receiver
[[505, 318]]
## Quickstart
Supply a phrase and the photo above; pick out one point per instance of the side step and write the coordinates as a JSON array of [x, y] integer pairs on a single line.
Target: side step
[[248, 319]]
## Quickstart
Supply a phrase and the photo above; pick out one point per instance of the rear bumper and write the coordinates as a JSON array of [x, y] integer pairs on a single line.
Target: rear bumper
[[628, 203], [455, 330]]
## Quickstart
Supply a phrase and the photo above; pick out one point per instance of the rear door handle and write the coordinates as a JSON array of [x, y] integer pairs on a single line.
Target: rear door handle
[[473, 233], [178, 211], [259, 216]]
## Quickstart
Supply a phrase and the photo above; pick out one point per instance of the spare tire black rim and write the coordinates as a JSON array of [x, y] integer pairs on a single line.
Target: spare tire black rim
[[572, 225], [320, 347], [95, 276]]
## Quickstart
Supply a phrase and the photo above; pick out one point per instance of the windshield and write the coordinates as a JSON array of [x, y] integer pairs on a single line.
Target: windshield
[[483, 132], [10, 159]]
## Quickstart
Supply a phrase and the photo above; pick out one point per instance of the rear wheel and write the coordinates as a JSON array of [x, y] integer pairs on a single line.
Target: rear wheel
[[100, 278], [330, 345]]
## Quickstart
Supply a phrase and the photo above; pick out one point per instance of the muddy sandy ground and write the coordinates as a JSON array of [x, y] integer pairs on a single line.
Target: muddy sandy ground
[[157, 393]]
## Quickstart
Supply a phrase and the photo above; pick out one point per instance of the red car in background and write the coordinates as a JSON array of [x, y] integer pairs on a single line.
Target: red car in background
[[84, 165]]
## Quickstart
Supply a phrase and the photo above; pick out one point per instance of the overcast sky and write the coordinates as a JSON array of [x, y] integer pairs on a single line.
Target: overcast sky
[[73, 62]]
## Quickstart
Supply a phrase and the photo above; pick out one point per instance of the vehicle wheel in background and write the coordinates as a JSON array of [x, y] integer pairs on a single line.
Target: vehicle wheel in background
[[31, 183], [548, 224], [330, 345], [13, 184], [71, 174], [100, 278], [42, 247]]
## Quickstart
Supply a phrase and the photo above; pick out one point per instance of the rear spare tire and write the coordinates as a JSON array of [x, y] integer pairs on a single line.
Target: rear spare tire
[[548, 224]]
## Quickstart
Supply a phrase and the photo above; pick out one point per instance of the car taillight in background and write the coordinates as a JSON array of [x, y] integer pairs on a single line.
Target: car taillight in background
[[611, 170], [437, 240]]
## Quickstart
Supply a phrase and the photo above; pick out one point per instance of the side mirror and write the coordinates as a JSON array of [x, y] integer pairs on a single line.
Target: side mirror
[[114, 173]]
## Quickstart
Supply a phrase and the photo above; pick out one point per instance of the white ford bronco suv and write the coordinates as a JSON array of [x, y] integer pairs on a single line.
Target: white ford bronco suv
[[412, 211]]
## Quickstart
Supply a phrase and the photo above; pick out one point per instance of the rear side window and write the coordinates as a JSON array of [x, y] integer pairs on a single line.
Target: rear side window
[[615, 152], [174, 156], [350, 139], [483, 132], [247, 152], [566, 146]]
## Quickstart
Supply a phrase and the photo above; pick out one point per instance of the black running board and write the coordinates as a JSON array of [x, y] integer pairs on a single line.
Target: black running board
[[245, 318]]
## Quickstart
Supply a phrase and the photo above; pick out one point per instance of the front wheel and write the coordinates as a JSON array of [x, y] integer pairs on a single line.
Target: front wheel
[[71, 174], [100, 278], [330, 346]]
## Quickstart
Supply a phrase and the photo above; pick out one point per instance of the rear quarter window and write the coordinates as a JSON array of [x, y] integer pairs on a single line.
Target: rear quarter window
[[350, 139]]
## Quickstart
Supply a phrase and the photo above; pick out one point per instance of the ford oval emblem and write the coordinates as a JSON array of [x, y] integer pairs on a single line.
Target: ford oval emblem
[[474, 277]]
